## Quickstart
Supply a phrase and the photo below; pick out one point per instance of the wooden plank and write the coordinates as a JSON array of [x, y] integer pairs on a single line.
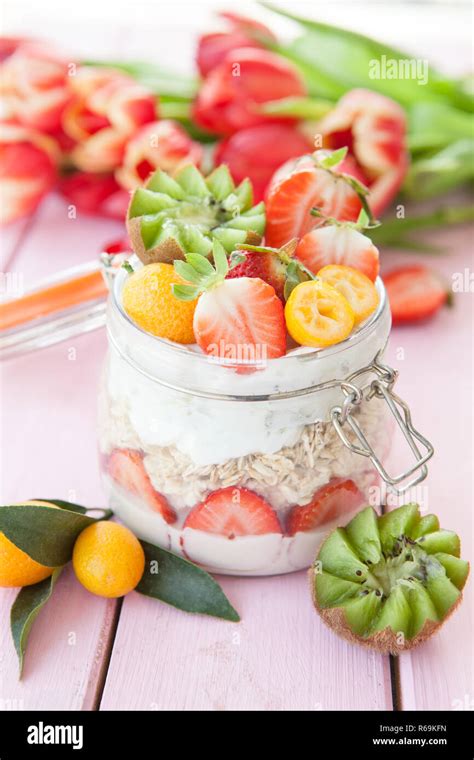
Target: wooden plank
[[436, 377], [66, 653], [280, 657], [48, 450], [47, 439]]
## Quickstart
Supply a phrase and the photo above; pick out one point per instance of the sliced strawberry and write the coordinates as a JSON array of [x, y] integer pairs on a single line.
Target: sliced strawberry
[[414, 293], [338, 245], [127, 469], [232, 512], [241, 319], [290, 200], [336, 498]]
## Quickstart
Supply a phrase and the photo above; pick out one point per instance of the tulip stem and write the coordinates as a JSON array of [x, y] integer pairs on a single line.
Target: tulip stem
[[175, 109], [393, 232]]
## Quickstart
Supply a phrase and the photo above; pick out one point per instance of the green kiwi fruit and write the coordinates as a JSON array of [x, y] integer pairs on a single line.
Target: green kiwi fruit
[[171, 216], [388, 582]]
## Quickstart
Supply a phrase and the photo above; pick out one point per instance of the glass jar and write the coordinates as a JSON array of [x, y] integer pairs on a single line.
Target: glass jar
[[287, 448]]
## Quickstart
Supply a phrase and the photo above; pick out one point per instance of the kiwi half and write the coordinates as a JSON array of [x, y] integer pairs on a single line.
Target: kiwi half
[[171, 216], [388, 582]]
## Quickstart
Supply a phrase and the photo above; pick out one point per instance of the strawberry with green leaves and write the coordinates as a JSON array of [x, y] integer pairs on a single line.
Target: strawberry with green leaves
[[277, 266], [315, 180], [238, 319]]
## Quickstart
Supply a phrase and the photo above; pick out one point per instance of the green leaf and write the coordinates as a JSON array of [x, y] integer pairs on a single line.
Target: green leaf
[[334, 158], [362, 191], [334, 59], [200, 263], [159, 80], [363, 219], [295, 274], [25, 608], [128, 267], [393, 232], [47, 535], [185, 292], [318, 82], [105, 514], [67, 505], [236, 258], [181, 584], [175, 109], [436, 125], [220, 258], [300, 108], [255, 248], [187, 272], [436, 174]]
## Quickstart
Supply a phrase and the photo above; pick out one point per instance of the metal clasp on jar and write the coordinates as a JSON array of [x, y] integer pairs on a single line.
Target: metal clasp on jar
[[381, 387]]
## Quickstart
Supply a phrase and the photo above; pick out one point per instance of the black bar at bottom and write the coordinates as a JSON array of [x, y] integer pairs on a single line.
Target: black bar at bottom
[[370, 734]]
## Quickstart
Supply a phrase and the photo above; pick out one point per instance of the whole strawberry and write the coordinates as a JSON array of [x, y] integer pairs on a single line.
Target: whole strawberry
[[276, 266]]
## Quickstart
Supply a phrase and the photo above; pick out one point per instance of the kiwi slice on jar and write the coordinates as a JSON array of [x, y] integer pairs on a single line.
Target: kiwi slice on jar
[[173, 215], [388, 582]]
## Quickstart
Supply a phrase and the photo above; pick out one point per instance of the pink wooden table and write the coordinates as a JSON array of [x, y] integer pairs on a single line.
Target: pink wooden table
[[88, 653]]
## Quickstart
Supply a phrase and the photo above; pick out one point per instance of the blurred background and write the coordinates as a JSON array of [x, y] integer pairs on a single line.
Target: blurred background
[[440, 30]]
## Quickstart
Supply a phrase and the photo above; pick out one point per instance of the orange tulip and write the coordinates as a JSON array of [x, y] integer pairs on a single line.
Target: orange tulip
[[159, 145], [107, 109], [373, 127], [35, 86], [28, 161]]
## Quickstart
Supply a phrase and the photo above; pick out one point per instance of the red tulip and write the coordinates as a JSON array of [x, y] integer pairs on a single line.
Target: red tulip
[[257, 152], [373, 127], [8, 45], [161, 144], [107, 109], [34, 86], [28, 161], [230, 97], [96, 194], [244, 32]]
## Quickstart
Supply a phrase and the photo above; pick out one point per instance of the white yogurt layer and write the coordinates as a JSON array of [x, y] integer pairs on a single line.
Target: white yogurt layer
[[270, 554]]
